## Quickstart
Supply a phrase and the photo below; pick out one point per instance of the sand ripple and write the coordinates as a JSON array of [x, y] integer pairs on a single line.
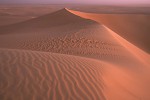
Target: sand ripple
[[45, 76]]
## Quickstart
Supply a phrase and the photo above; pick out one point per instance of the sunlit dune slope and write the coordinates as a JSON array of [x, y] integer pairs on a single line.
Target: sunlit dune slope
[[133, 27], [66, 33]]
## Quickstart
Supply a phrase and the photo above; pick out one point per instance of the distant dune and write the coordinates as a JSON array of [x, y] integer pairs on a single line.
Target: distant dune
[[10, 14], [65, 56]]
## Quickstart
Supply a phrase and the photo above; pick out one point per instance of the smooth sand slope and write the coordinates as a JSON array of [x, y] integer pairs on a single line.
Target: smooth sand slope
[[133, 27], [63, 56]]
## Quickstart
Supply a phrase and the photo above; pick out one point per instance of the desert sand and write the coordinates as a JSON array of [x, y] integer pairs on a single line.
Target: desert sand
[[133, 27], [71, 55]]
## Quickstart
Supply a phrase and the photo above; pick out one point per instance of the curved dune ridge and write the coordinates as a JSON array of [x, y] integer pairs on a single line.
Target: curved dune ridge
[[133, 27], [64, 56]]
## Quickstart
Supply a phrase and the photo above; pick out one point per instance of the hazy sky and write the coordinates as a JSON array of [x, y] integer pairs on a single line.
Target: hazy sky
[[79, 1]]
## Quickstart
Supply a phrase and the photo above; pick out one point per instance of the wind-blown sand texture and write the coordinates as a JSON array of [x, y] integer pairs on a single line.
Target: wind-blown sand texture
[[64, 56]]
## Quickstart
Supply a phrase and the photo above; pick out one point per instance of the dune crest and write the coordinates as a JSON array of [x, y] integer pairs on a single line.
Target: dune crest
[[133, 27]]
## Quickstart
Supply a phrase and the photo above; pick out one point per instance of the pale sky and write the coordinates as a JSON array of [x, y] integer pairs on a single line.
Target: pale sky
[[78, 1]]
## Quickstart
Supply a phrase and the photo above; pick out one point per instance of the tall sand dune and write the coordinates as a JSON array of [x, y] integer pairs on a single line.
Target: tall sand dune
[[46, 23], [65, 33], [65, 56]]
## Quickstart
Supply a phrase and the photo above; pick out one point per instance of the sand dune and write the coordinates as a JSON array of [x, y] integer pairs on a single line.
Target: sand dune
[[133, 27], [10, 14], [68, 34], [64, 56], [44, 22]]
